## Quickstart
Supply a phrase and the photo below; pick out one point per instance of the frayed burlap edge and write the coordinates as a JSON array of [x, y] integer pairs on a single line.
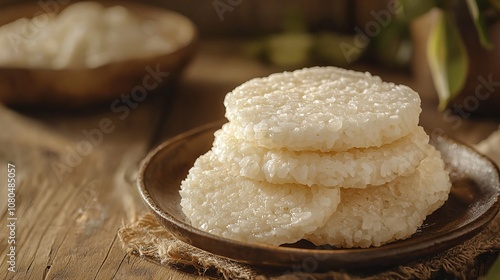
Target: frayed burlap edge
[[148, 239]]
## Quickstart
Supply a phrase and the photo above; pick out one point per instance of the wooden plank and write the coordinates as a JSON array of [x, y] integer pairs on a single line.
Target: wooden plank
[[68, 220]]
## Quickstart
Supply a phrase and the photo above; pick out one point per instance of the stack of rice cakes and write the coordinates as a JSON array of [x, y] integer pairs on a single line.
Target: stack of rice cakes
[[324, 154]]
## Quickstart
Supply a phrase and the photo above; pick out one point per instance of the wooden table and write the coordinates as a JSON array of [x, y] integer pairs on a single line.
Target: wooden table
[[72, 196]]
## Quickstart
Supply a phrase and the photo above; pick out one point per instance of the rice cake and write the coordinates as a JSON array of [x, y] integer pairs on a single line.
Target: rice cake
[[218, 202], [355, 168], [378, 215], [322, 109]]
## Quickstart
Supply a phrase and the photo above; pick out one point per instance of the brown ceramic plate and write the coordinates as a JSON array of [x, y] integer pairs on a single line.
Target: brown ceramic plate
[[472, 204], [76, 87]]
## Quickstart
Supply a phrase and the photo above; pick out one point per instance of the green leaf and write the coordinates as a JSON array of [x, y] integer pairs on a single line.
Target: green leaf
[[415, 8], [480, 24], [447, 59], [494, 272]]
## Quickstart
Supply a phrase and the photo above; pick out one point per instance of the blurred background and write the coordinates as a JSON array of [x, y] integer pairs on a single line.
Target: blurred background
[[375, 35], [260, 16]]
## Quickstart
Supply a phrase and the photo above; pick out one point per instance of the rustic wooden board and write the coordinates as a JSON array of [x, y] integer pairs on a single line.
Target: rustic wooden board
[[68, 221]]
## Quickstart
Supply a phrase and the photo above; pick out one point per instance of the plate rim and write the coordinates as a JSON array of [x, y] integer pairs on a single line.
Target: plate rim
[[438, 243]]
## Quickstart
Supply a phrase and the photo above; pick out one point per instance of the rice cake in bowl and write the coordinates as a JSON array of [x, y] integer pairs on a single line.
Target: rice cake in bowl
[[218, 202], [354, 168], [378, 215], [75, 62], [322, 109]]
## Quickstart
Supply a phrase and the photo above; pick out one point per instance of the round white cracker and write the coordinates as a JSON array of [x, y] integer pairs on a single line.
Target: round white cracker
[[322, 109], [378, 215], [355, 168], [218, 202]]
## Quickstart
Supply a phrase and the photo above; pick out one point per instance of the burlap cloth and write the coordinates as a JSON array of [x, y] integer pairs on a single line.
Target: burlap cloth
[[148, 239]]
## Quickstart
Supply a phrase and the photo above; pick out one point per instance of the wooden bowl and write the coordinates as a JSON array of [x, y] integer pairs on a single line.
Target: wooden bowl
[[84, 86], [472, 204]]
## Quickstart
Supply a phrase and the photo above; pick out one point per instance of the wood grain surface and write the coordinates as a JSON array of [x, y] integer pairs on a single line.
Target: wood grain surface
[[72, 196]]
